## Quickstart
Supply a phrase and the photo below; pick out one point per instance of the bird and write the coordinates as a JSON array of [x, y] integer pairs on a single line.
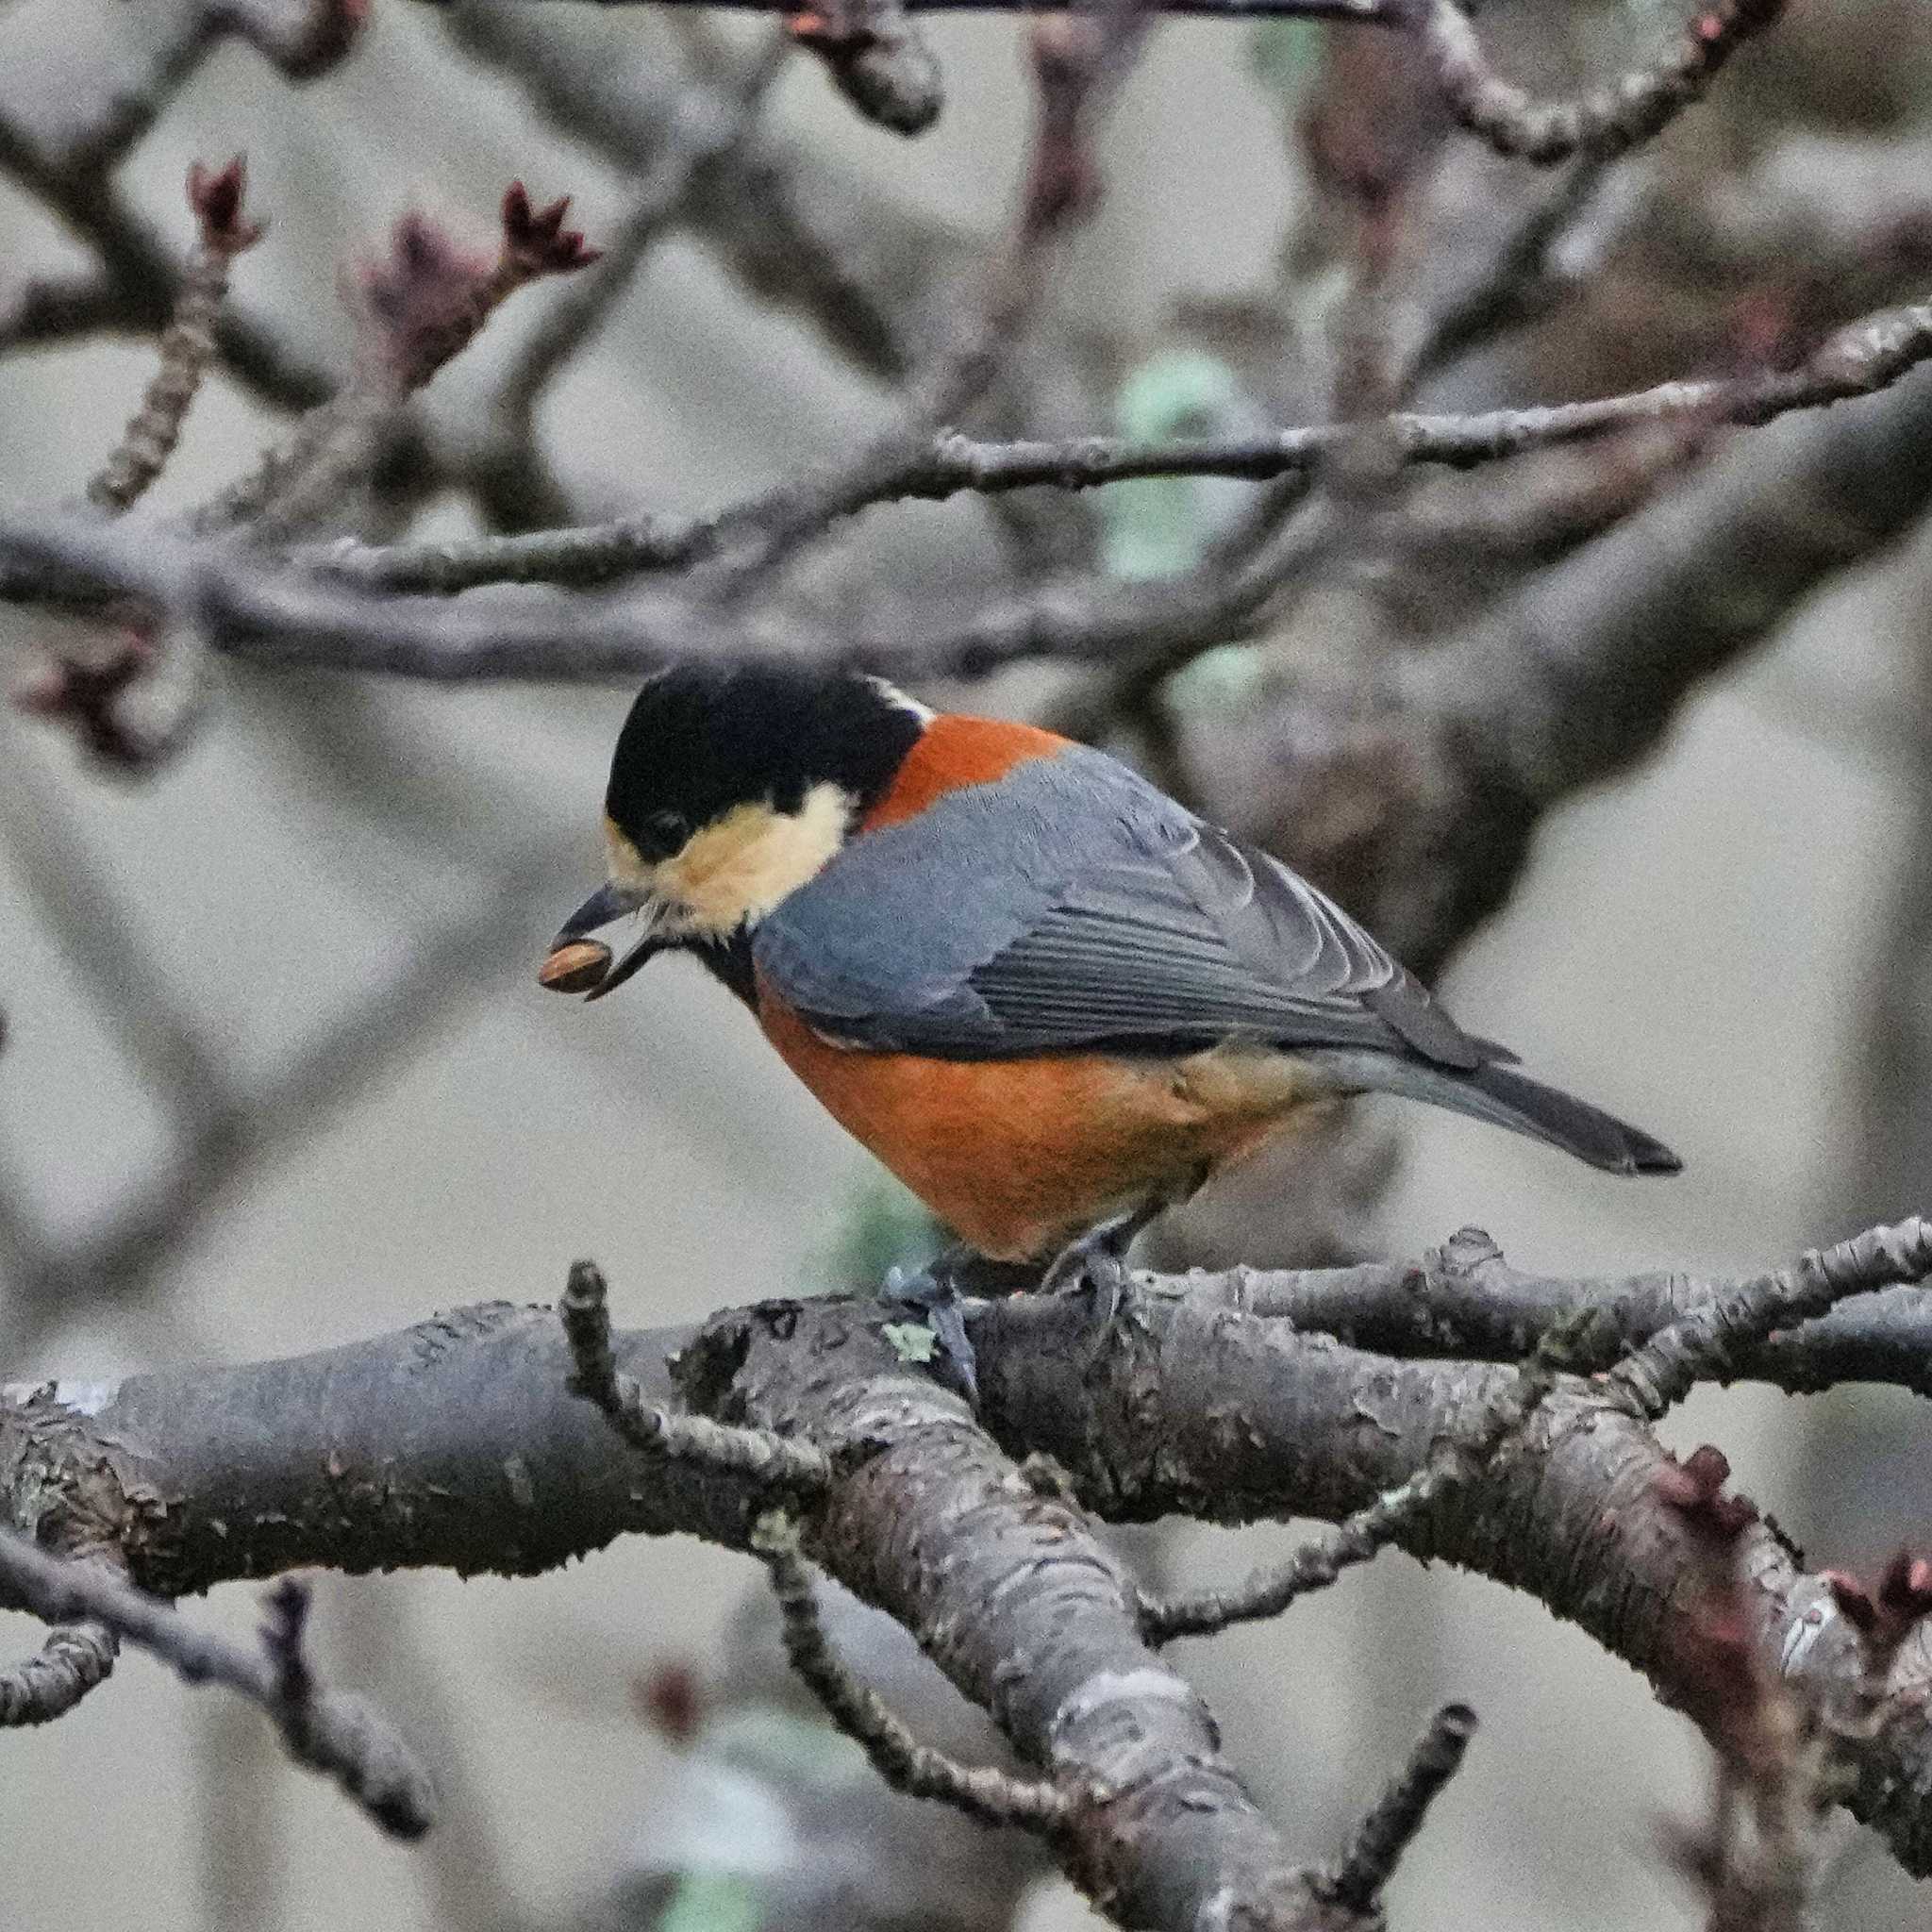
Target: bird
[[1045, 995]]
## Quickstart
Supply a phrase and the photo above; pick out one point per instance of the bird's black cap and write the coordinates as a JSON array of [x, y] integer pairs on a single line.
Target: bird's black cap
[[703, 738]]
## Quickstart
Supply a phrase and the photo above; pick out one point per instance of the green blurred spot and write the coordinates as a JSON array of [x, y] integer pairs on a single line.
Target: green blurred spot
[[1284, 54], [883, 1226], [714, 1902], [1158, 527], [787, 1749]]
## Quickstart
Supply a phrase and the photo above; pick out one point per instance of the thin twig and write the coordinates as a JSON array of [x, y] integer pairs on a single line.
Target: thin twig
[[1391, 1828], [1709, 1342], [1518, 284], [188, 343], [1706, 1341], [1463, 1301], [983, 1792], [767, 1457], [1612, 119], [1079, 65], [321, 1728], [707, 123], [416, 307], [1858, 360]]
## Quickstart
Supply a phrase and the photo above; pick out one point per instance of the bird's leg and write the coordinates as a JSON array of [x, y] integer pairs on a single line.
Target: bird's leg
[[1098, 1260], [934, 1292]]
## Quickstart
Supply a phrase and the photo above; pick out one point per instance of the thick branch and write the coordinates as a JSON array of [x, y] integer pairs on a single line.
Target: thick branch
[[456, 1444]]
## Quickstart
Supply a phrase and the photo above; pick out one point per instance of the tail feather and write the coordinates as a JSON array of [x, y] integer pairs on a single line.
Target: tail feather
[[1505, 1098]]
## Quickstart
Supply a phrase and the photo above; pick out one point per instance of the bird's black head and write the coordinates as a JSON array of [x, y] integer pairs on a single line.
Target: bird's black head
[[730, 787], [703, 740]]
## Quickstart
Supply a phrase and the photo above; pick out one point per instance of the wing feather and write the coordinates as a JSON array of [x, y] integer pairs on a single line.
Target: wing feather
[[1073, 904]]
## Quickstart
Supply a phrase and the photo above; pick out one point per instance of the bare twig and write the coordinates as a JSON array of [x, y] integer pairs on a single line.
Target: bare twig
[[707, 123], [1611, 121], [1079, 65], [187, 345], [981, 1792], [1391, 1828], [1858, 360], [1463, 1451], [322, 1729], [1462, 1300], [417, 307], [1710, 1342], [767, 1459]]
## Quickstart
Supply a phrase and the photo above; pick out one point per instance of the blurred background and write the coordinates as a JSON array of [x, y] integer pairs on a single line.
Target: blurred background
[[277, 1074]]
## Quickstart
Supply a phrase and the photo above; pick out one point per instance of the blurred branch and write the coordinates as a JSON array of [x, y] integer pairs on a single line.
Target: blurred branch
[[103, 948], [187, 343], [416, 307], [117, 1261], [705, 124], [1611, 120], [1078, 67], [137, 283], [320, 1728], [798, 231]]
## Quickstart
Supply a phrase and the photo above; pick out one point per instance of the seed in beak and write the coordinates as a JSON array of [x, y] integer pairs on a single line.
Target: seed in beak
[[577, 967]]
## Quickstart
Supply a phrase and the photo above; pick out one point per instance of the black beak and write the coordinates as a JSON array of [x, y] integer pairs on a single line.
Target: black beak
[[605, 906], [640, 955]]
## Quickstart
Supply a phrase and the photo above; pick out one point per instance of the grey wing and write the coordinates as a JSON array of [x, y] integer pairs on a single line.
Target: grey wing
[[1074, 906]]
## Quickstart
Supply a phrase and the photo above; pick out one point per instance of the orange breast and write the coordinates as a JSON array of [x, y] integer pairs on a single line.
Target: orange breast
[[1017, 1156]]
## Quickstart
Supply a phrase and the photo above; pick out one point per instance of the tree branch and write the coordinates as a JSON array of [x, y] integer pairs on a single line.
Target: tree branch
[[1391, 1828], [324, 1731], [455, 1443], [982, 1792], [1463, 1300]]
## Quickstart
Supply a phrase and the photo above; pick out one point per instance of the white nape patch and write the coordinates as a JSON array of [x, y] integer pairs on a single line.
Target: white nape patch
[[736, 869], [902, 700]]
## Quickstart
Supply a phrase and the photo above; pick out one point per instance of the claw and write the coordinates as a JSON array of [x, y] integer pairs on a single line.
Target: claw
[[1095, 1263]]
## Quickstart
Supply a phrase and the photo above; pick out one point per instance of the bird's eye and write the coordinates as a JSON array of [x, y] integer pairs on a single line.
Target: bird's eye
[[664, 832]]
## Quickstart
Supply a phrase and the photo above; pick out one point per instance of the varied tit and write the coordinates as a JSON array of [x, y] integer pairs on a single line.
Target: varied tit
[[1048, 998]]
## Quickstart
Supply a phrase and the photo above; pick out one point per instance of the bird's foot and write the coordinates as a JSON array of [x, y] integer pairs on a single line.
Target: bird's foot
[[1096, 1263], [933, 1293]]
